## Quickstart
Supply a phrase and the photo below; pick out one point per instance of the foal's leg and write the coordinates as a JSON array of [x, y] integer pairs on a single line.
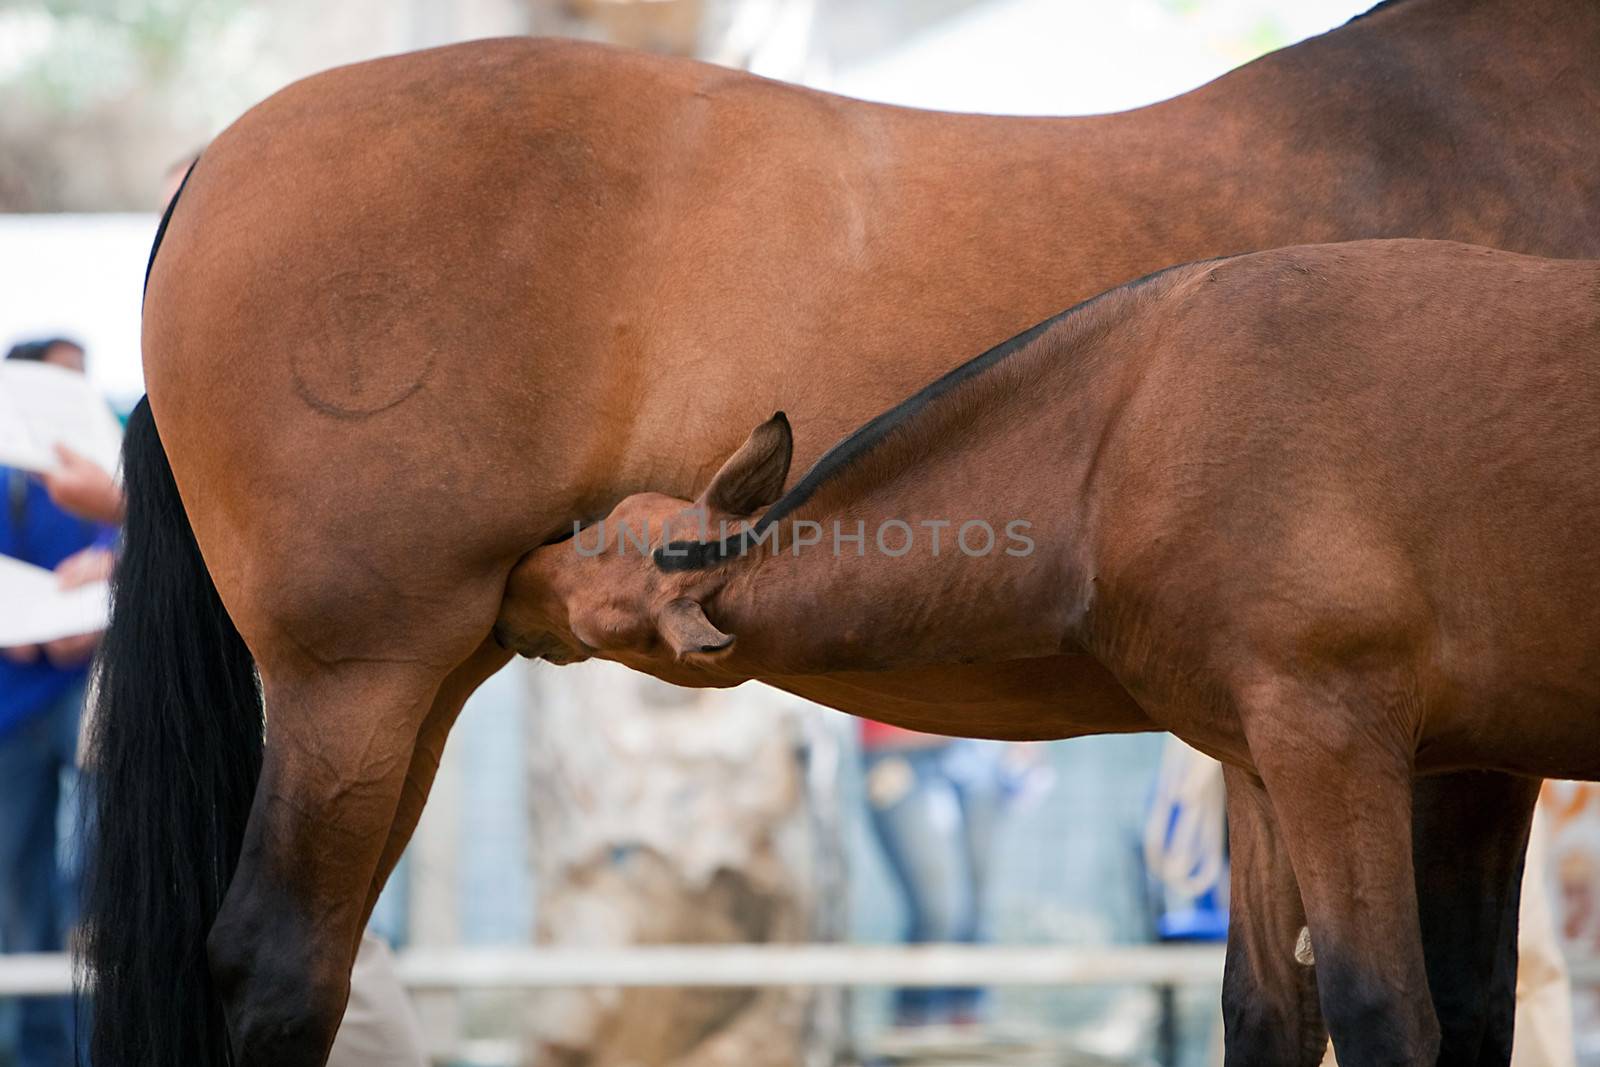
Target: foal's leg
[[1338, 773], [1471, 834], [1470, 831], [1271, 1017], [340, 739]]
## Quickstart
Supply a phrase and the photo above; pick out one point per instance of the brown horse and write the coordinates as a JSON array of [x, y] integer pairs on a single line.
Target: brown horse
[[1328, 512], [411, 318]]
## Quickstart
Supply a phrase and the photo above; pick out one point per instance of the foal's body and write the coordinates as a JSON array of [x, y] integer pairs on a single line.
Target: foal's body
[[412, 318], [1326, 512]]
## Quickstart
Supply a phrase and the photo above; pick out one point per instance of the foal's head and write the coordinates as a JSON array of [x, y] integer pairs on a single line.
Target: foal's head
[[605, 591]]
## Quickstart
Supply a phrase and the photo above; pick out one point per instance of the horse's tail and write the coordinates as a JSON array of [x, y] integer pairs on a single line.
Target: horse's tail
[[175, 753]]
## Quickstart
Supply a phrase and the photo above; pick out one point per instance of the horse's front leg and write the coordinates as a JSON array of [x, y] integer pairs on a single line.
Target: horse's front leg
[[1469, 833], [1470, 836], [1271, 1017], [1336, 762]]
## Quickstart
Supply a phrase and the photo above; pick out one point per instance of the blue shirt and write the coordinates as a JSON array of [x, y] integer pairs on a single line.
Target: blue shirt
[[34, 530]]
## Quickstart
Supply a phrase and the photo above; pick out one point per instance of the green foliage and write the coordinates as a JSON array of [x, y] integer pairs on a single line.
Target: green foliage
[[77, 53], [1266, 35]]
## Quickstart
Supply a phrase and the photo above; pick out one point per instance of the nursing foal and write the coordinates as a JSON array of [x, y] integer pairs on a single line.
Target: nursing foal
[[1327, 512]]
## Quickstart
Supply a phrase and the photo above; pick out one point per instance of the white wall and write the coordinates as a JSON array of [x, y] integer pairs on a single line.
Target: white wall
[[80, 276], [1078, 57]]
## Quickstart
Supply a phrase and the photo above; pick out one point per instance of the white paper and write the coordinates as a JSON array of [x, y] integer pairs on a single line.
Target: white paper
[[34, 609], [42, 405]]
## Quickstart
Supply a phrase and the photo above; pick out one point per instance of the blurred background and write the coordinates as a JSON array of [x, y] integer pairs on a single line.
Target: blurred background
[[587, 806]]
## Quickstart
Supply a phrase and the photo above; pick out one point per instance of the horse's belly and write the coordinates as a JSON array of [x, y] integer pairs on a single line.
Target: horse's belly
[[1016, 700], [1532, 717]]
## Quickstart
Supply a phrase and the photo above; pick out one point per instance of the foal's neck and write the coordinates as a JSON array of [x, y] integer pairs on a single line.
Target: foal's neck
[[947, 528]]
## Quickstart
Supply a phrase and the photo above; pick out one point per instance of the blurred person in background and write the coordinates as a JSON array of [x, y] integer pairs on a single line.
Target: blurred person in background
[[935, 805], [41, 702]]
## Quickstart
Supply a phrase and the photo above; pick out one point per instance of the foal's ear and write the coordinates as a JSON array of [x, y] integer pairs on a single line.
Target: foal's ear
[[753, 476], [685, 628]]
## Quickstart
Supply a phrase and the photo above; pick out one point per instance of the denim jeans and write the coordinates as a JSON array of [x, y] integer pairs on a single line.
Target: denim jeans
[[39, 864], [934, 812]]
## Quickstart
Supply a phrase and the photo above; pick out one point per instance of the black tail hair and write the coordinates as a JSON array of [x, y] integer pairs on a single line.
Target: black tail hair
[[174, 757]]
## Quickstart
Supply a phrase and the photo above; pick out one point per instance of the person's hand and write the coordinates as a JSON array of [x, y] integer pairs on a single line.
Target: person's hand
[[83, 487], [21, 653], [75, 651], [1023, 755], [82, 567], [87, 565]]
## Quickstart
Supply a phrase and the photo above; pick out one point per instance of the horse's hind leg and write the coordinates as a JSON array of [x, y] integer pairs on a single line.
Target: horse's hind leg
[[340, 739], [1271, 1017], [460, 684], [1336, 763], [1471, 835]]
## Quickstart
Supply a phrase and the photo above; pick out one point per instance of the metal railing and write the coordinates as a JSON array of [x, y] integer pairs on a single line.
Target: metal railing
[[435, 970], [748, 966]]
